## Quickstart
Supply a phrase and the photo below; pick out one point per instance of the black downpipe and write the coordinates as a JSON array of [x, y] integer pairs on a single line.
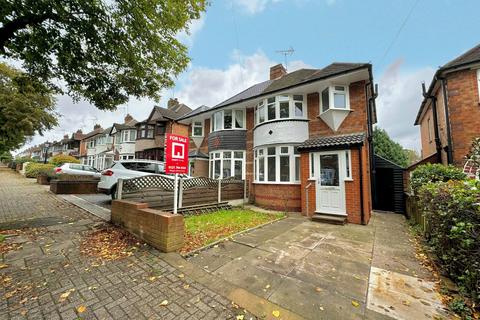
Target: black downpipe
[[438, 146], [360, 162], [447, 121], [370, 106]]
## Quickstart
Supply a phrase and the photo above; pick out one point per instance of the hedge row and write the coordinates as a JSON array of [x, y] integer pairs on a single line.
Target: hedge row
[[33, 170], [451, 205]]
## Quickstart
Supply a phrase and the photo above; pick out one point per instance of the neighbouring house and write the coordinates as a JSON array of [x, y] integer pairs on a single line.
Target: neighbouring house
[[124, 136], [449, 113], [71, 144], [151, 132], [36, 152], [301, 139], [98, 148], [56, 148]]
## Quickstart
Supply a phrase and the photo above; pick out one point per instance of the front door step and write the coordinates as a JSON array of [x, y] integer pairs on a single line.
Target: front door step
[[330, 218]]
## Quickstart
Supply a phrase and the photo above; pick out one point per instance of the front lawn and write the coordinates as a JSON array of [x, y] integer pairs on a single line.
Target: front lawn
[[203, 229]]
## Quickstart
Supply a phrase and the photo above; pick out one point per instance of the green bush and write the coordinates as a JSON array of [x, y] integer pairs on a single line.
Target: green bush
[[33, 170], [434, 173], [23, 160], [60, 159], [452, 210]]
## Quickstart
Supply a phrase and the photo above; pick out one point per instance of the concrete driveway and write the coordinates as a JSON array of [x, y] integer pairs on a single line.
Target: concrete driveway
[[321, 271]]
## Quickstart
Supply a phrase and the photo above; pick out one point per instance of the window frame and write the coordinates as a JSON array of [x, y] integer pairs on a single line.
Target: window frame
[[219, 155], [478, 84], [331, 99], [195, 125], [221, 114], [261, 159], [262, 108]]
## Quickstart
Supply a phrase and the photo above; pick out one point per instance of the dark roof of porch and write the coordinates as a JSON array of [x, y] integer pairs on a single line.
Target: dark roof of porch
[[330, 142]]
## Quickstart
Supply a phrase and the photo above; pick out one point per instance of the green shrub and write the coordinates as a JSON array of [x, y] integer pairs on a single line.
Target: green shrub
[[434, 173], [452, 210], [60, 159], [23, 160], [33, 170]]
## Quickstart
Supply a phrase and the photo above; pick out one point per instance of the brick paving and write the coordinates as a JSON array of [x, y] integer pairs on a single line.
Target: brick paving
[[34, 277]]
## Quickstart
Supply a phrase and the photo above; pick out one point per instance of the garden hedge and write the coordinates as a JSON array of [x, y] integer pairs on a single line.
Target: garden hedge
[[434, 173], [452, 210], [60, 159], [35, 169]]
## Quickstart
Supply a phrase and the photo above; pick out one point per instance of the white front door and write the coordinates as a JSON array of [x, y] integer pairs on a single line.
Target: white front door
[[330, 185]]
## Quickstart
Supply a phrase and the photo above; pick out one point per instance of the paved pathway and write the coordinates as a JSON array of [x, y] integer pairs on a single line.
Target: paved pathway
[[33, 278], [325, 271]]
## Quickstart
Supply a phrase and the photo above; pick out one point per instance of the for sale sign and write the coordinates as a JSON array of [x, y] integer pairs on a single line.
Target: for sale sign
[[176, 154]]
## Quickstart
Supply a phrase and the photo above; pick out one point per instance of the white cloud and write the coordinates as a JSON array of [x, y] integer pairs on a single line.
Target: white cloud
[[212, 86], [193, 29], [198, 86], [399, 98], [253, 6]]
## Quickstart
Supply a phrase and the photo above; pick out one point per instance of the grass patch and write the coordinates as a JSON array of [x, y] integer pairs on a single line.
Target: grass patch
[[201, 230]]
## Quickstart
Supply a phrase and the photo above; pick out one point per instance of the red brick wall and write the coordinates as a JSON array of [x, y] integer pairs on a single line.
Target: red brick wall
[[352, 188], [464, 111], [281, 197], [356, 121]]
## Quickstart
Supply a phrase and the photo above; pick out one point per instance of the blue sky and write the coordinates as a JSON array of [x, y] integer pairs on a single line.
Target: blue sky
[[235, 42]]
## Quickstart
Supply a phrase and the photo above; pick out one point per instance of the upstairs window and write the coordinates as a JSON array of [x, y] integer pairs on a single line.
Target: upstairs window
[[127, 136], [335, 97], [145, 131], [280, 107], [161, 128], [197, 129], [228, 119]]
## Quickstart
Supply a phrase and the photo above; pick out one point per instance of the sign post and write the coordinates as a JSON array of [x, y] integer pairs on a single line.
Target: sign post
[[176, 160]]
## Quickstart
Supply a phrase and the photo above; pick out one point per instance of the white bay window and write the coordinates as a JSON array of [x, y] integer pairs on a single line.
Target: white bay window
[[277, 164], [280, 107], [226, 164], [335, 97]]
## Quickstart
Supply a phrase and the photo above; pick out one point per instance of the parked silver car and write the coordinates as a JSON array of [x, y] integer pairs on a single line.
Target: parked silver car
[[78, 169]]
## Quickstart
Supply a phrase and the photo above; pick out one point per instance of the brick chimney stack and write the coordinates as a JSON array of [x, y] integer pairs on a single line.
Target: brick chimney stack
[[97, 126], [172, 103], [79, 131], [128, 118], [65, 136], [277, 71]]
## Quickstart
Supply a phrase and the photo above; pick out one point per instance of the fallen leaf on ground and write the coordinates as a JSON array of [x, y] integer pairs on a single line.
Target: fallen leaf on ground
[[276, 313], [240, 317], [181, 275], [318, 289], [65, 295], [186, 286], [81, 309], [164, 303], [3, 266], [355, 304]]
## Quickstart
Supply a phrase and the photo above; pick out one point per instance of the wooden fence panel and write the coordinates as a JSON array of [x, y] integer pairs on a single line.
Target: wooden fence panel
[[157, 191]]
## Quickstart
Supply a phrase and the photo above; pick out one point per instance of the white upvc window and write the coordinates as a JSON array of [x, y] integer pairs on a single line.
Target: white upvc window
[[128, 136], [335, 97], [284, 106], [228, 120], [277, 164], [197, 129], [227, 163]]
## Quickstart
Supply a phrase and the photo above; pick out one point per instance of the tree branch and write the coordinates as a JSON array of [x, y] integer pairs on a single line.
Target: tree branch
[[7, 31]]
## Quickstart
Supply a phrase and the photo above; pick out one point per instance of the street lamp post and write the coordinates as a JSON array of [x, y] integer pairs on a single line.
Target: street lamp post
[[45, 151]]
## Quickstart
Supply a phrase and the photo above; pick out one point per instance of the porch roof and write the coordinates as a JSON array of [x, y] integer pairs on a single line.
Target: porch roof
[[332, 142]]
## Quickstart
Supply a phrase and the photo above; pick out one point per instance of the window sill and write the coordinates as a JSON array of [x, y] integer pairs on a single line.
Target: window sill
[[334, 109], [348, 179], [197, 136]]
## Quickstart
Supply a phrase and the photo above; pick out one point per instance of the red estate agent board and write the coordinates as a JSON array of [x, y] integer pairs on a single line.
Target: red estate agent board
[[176, 154]]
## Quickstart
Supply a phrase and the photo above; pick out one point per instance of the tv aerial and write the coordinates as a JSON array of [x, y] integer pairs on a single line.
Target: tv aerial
[[286, 53]]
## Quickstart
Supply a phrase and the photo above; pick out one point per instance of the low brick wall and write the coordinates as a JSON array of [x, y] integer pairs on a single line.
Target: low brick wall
[[73, 187], [42, 179], [163, 230]]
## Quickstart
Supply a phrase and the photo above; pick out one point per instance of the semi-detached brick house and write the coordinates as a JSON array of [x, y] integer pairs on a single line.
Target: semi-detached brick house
[[301, 139], [150, 140], [449, 114]]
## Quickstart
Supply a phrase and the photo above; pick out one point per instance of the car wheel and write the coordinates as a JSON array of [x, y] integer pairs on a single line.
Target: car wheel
[[113, 192]]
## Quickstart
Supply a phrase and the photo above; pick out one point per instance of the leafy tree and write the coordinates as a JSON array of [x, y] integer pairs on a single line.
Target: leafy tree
[[412, 156], [101, 50], [26, 107], [6, 156], [385, 147]]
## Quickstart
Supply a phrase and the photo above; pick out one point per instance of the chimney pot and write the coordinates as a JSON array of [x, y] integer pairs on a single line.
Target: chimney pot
[[172, 102], [277, 71], [128, 118], [97, 126]]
